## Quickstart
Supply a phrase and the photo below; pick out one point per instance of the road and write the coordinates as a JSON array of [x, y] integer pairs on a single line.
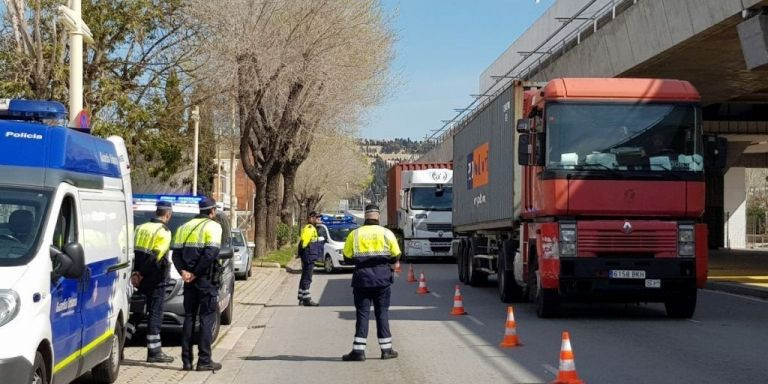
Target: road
[[724, 343], [273, 340]]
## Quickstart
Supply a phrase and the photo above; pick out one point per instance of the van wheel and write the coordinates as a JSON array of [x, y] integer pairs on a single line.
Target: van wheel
[[106, 372], [39, 371], [216, 327], [250, 269], [227, 315]]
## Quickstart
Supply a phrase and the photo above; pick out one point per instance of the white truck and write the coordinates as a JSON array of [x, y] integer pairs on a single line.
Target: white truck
[[421, 212]]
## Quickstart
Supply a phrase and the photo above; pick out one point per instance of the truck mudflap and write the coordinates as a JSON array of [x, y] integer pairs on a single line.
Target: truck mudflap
[[627, 280]]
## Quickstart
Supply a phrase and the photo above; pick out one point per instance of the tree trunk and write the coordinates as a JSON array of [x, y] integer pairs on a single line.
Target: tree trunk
[[273, 210], [289, 185], [260, 220]]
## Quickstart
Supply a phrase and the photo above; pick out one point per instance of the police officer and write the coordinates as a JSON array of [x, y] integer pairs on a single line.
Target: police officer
[[150, 276], [196, 248], [310, 250], [373, 250]]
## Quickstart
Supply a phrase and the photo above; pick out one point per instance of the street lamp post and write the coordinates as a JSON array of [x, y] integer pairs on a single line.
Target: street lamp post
[[196, 121], [72, 18]]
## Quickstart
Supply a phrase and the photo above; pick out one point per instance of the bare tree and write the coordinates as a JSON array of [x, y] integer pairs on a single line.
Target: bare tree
[[296, 67]]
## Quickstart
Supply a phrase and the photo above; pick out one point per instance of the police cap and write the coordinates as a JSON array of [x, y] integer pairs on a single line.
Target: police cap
[[372, 208], [207, 203], [164, 205]]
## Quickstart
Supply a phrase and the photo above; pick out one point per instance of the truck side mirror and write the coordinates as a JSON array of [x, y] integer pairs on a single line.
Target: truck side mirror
[[715, 152], [523, 125], [524, 149]]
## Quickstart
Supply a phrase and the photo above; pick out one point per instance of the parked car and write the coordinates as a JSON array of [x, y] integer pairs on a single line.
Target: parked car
[[243, 256], [184, 209], [335, 229]]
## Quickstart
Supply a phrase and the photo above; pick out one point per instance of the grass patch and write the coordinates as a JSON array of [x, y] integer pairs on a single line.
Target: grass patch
[[281, 256]]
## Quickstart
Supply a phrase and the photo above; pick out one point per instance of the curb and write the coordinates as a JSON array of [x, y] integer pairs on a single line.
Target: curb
[[738, 289], [294, 267], [266, 264]]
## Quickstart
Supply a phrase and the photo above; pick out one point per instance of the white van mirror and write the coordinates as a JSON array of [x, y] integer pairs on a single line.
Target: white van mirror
[[226, 253]]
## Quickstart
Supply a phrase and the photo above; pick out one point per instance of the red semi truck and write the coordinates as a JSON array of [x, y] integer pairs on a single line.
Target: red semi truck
[[584, 190]]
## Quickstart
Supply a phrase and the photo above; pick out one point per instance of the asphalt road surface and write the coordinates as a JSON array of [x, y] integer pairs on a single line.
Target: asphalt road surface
[[724, 342]]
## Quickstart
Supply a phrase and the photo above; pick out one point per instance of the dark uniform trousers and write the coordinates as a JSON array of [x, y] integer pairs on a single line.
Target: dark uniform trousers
[[154, 299], [379, 297], [307, 268], [200, 296]]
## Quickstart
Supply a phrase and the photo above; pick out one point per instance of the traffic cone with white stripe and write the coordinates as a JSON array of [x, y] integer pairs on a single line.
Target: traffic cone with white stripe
[[423, 290], [398, 269], [458, 304], [510, 339], [411, 277], [566, 374]]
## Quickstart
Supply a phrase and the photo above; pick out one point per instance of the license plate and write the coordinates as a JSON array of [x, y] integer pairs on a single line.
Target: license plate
[[626, 274], [652, 283]]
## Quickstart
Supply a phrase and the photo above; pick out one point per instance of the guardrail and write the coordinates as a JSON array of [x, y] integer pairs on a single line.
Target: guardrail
[[542, 55]]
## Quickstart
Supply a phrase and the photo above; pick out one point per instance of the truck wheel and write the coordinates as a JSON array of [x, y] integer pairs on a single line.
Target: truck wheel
[[460, 261], [681, 305], [547, 300], [509, 291], [106, 372], [475, 278], [39, 372]]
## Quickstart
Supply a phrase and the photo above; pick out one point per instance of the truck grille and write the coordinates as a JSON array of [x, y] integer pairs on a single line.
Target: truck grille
[[436, 227], [649, 239]]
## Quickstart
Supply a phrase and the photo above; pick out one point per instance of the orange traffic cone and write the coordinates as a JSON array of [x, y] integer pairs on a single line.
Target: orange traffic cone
[[510, 339], [566, 374], [398, 269], [411, 277], [458, 303], [423, 290]]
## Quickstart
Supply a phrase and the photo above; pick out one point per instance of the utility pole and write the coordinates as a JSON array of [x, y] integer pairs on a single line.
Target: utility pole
[[196, 120], [72, 18]]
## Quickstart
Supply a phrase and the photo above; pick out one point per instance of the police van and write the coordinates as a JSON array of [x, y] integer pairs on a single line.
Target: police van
[[66, 245], [335, 228]]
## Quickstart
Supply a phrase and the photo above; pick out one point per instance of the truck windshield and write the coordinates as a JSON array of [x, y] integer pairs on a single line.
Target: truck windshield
[[432, 198], [614, 136], [22, 213]]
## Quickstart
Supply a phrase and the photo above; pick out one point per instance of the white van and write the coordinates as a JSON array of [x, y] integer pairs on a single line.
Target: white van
[[66, 246]]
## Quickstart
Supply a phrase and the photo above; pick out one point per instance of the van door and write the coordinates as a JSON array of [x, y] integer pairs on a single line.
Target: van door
[[66, 320]]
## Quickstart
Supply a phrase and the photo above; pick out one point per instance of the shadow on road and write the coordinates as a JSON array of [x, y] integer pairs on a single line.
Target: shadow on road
[[292, 358]]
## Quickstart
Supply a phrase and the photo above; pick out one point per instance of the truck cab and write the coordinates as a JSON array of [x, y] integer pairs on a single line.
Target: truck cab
[[66, 247], [424, 217]]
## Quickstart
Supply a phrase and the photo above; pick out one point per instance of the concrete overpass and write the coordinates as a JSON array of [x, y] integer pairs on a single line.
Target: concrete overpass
[[698, 41]]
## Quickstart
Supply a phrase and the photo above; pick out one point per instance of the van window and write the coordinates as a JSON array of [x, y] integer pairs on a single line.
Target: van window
[[21, 220], [65, 231]]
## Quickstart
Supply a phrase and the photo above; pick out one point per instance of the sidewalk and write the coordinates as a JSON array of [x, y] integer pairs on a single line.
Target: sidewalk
[[250, 299], [743, 272]]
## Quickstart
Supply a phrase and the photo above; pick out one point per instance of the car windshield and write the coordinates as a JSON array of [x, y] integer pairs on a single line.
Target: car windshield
[[237, 239], [432, 198], [656, 137], [340, 233], [22, 213], [179, 218]]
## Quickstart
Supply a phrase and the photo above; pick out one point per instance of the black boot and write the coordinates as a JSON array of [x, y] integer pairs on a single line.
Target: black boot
[[387, 354], [212, 366], [159, 357], [354, 356]]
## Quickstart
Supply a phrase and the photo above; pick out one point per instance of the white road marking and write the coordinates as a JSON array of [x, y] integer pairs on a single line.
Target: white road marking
[[694, 321], [434, 294], [475, 320], [550, 369], [739, 296]]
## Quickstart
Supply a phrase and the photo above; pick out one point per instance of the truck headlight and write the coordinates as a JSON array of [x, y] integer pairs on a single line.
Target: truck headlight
[[9, 305], [686, 241], [568, 240]]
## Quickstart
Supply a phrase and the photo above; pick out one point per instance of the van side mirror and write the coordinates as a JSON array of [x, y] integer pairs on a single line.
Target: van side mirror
[[226, 253], [523, 125], [524, 149], [70, 263]]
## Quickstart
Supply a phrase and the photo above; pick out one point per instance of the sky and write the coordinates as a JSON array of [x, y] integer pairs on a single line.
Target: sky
[[443, 46]]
